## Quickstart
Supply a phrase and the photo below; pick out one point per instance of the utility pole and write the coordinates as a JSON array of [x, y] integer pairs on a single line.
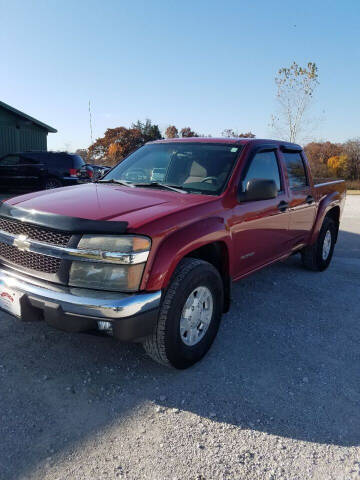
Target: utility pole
[[91, 131]]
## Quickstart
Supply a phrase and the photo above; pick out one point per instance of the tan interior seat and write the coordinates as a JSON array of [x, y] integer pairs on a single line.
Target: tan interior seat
[[197, 173]]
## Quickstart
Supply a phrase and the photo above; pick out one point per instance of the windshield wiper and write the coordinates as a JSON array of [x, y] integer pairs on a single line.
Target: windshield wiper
[[119, 182], [178, 189]]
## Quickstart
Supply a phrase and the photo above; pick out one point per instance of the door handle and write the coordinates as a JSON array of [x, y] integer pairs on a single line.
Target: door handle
[[309, 199], [283, 206]]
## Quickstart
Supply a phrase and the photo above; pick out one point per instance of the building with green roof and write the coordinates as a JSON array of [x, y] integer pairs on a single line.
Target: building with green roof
[[20, 133]]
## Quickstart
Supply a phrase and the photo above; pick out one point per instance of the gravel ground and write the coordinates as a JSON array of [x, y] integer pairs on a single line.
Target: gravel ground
[[277, 397]]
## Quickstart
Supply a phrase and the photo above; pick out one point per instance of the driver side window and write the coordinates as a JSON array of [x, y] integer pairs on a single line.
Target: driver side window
[[264, 165]]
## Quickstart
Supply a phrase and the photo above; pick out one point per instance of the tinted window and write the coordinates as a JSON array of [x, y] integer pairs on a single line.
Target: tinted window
[[295, 170], [263, 166], [35, 157], [25, 160], [10, 160], [60, 161]]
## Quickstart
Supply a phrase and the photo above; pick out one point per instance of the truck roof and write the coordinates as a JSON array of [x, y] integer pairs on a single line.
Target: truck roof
[[236, 140]]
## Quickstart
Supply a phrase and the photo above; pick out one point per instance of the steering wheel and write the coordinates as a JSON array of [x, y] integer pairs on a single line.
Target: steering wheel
[[209, 179]]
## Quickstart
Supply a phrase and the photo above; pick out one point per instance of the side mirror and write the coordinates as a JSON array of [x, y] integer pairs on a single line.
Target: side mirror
[[258, 189]]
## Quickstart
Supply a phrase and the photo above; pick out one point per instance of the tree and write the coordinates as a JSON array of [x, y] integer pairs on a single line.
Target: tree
[[295, 89], [246, 135], [318, 154], [115, 154], [322, 151], [338, 165], [230, 133], [125, 140], [171, 132], [352, 150], [84, 154], [149, 131], [187, 132]]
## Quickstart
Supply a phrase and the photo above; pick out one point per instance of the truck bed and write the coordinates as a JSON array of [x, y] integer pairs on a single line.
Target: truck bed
[[325, 187]]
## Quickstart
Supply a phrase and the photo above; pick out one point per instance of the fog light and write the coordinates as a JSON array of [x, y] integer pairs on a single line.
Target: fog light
[[104, 326]]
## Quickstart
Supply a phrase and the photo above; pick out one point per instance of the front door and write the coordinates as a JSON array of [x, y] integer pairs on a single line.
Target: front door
[[260, 228]]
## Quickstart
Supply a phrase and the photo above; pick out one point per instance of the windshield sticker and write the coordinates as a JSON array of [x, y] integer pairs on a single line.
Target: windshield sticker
[[233, 150]]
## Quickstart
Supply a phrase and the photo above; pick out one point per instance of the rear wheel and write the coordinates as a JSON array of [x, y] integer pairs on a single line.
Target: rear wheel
[[52, 182], [318, 256], [189, 315]]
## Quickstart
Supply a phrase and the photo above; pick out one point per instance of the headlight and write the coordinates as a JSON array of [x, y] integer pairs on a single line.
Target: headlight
[[109, 262]]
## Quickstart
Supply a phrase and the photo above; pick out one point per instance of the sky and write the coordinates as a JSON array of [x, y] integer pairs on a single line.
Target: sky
[[208, 64]]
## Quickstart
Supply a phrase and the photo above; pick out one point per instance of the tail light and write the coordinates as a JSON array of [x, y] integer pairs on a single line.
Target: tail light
[[90, 172], [73, 172]]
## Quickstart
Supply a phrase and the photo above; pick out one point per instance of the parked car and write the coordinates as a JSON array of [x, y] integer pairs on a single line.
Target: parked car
[[39, 170], [86, 173], [158, 174], [152, 261], [89, 172], [100, 171]]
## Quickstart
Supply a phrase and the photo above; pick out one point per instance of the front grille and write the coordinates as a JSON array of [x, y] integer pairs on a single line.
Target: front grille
[[33, 232], [33, 261], [30, 260]]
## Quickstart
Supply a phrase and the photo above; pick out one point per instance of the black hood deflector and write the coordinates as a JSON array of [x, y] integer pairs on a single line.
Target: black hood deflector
[[62, 223]]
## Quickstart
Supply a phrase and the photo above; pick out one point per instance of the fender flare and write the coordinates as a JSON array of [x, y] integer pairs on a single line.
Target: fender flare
[[179, 244], [326, 204]]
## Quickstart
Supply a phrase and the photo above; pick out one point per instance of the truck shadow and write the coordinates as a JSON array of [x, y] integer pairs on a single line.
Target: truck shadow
[[285, 362]]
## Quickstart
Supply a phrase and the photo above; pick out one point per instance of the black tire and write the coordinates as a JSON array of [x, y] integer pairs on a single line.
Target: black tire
[[51, 182], [312, 256], [165, 345]]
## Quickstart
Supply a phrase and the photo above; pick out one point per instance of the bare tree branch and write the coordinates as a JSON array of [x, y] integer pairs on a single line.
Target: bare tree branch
[[295, 88]]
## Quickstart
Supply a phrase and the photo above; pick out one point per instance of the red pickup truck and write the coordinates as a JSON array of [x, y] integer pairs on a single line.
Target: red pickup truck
[[149, 252]]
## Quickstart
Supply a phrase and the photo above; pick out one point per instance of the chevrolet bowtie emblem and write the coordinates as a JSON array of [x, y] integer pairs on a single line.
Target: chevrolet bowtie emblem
[[22, 243]]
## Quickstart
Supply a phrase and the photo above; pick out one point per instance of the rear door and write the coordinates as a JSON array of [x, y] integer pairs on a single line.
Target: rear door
[[9, 171], [302, 206], [30, 171], [260, 228]]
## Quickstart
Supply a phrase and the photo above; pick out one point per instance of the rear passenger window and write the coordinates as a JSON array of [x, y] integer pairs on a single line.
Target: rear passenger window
[[10, 160], [62, 162], [295, 169], [264, 165], [28, 161]]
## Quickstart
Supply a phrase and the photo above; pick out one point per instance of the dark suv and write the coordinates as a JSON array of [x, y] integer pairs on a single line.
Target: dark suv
[[39, 170]]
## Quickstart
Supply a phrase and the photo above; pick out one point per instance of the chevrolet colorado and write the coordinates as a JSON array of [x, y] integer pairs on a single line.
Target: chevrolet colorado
[[149, 252]]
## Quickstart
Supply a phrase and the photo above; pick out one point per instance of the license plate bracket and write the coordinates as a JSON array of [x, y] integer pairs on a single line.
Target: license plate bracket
[[10, 299]]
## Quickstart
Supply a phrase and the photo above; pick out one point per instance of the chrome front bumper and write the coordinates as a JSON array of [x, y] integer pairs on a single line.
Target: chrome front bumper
[[131, 316]]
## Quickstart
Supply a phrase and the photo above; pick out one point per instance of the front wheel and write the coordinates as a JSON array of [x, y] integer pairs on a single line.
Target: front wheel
[[189, 315], [318, 256]]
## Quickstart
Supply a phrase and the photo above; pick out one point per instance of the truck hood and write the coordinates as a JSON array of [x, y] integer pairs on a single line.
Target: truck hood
[[109, 202]]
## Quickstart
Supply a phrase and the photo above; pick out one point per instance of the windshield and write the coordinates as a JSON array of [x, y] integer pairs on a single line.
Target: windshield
[[194, 167]]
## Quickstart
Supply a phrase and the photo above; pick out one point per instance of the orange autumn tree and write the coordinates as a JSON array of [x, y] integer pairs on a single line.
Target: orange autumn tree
[[115, 145], [171, 132], [187, 132], [114, 153], [338, 165]]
